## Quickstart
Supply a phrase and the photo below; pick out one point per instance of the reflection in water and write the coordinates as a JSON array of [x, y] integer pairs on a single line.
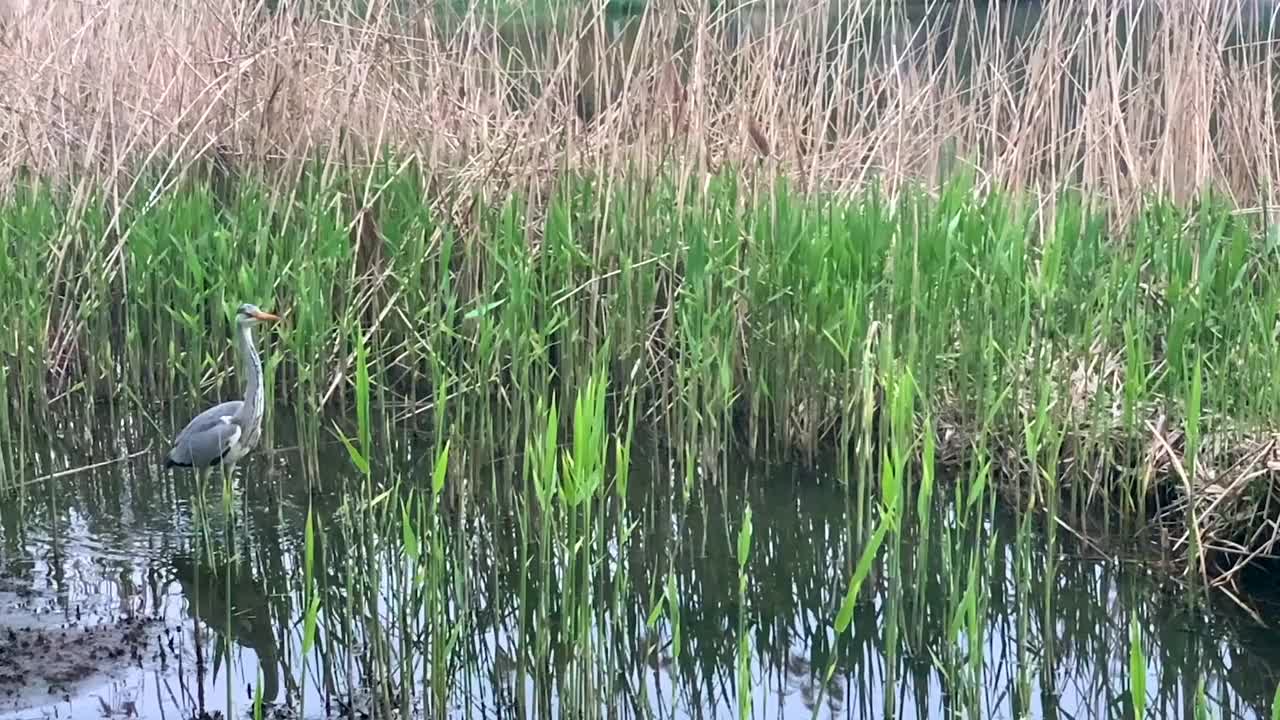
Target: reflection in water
[[74, 548], [228, 600]]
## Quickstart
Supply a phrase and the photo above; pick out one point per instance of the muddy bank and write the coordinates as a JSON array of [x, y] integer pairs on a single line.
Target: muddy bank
[[44, 663]]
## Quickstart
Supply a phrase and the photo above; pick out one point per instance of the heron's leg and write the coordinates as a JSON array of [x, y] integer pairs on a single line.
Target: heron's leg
[[230, 478], [202, 487], [225, 491], [202, 515]]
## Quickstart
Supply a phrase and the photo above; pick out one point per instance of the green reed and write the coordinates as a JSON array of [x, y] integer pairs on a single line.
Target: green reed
[[971, 338], [1137, 670], [698, 296]]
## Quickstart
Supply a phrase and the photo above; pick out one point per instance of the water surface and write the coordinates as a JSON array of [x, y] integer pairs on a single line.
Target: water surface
[[121, 541]]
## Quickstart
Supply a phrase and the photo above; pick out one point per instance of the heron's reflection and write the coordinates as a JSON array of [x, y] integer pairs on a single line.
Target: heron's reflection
[[230, 600]]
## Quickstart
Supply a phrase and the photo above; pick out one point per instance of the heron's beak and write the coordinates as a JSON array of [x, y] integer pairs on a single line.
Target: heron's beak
[[265, 316]]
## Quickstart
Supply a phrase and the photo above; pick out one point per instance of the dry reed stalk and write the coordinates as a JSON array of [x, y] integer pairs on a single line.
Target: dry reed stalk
[[1168, 97]]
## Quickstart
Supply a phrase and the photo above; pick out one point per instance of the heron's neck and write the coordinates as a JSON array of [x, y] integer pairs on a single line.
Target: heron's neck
[[251, 411]]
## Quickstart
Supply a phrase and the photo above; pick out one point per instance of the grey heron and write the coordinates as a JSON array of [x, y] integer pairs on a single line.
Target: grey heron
[[225, 433]]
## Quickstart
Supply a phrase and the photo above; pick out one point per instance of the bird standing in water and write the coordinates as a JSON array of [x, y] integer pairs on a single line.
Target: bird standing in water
[[225, 433]]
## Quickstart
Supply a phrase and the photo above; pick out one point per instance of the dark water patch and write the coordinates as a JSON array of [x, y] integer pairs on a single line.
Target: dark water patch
[[227, 627]]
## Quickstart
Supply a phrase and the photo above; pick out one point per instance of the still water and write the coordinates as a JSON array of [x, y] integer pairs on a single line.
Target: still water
[[119, 542]]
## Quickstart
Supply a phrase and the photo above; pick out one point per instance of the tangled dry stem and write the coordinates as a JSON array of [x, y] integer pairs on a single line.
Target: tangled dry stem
[[1123, 99]]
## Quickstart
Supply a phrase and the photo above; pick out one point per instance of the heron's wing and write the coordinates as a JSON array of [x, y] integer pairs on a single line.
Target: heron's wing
[[208, 436]]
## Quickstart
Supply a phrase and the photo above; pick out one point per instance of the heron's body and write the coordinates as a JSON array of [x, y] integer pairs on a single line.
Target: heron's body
[[212, 438], [225, 433]]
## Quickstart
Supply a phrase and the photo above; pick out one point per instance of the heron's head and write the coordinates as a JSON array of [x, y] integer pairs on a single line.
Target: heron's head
[[248, 314]]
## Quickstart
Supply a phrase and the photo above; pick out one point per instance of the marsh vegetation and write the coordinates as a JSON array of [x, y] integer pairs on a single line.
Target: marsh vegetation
[[679, 361]]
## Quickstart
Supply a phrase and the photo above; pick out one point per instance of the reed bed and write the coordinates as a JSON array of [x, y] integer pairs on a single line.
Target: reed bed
[[1128, 372], [1032, 270], [1124, 99]]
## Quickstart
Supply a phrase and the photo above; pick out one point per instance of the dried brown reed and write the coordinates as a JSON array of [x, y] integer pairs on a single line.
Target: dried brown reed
[[1121, 98]]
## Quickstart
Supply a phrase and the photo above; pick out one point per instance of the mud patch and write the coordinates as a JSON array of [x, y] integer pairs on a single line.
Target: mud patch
[[43, 663]]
